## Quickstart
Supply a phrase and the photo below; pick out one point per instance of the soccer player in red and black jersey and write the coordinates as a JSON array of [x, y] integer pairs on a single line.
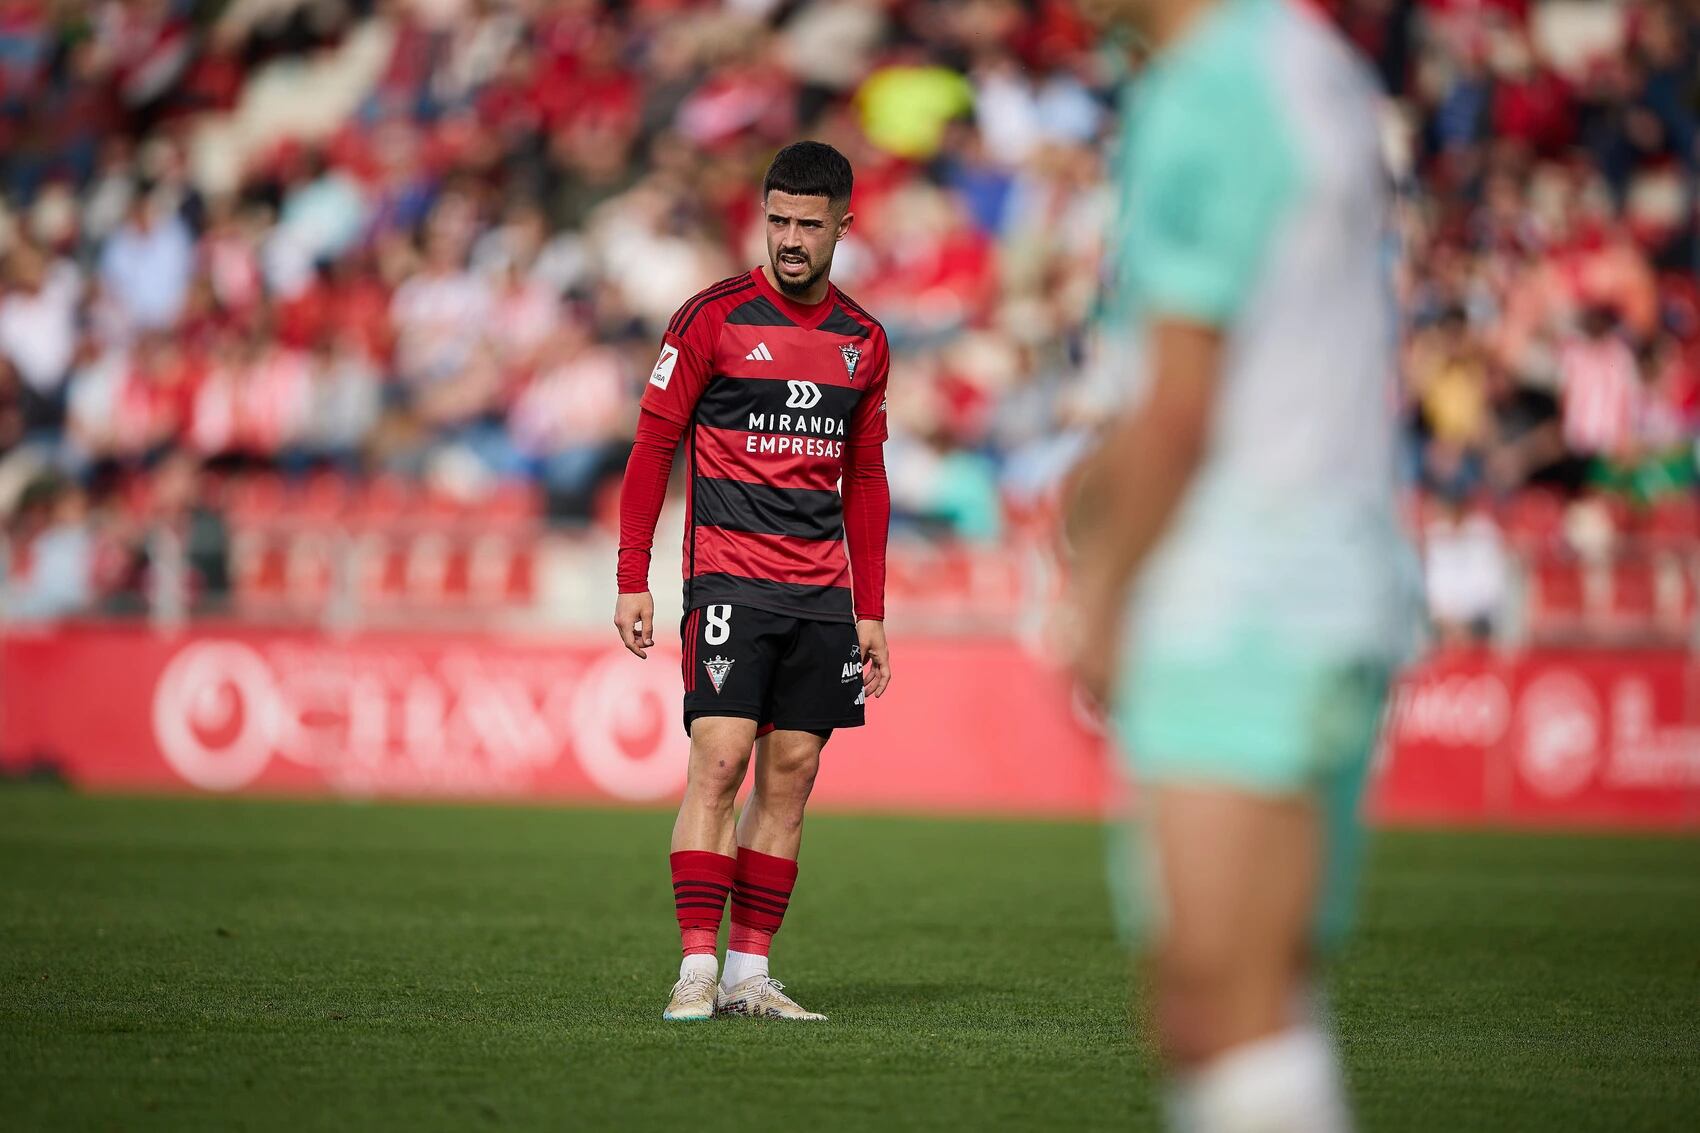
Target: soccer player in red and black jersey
[[773, 383]]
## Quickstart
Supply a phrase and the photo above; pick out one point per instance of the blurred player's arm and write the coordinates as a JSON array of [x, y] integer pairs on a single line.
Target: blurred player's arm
[[1130, 485], [680, 375]]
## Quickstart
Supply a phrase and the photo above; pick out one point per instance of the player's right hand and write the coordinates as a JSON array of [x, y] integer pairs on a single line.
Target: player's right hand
[[634, 617]]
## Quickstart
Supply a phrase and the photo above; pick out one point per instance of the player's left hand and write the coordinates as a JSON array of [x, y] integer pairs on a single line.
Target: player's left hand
[[876, 656]]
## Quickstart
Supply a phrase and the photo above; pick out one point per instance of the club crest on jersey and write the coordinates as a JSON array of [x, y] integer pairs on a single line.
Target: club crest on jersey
[[852, 355], [717, 667]]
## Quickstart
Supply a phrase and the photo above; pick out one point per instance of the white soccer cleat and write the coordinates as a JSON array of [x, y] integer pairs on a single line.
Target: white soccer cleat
[[761, 997], [693, 998]]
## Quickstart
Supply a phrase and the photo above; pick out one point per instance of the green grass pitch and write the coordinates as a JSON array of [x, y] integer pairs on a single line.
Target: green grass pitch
[[181, 964]]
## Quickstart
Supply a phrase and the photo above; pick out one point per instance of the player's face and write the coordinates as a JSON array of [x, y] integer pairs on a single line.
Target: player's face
[[801, 235]]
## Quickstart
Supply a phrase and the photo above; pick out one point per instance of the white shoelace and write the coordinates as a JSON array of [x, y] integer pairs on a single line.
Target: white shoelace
[[700, 982], [777, 990]]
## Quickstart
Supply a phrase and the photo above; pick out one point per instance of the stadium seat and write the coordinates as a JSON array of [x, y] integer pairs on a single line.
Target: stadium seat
[[323, 500], [257, 499], [1675, 594], [1556, 600], [1673, 524], [513, 503], [1533, 522], [1631, 607], [444, 510], [260, 566], [385, 501]]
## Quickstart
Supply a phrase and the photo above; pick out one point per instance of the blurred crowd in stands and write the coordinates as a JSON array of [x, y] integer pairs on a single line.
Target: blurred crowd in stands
[[437, 240]]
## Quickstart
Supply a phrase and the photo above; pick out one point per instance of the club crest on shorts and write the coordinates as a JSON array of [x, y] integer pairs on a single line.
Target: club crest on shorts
[[852, 355], [717, 667]]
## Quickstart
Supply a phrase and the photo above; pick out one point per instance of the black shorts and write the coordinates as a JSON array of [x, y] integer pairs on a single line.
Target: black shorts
[[780, 671]]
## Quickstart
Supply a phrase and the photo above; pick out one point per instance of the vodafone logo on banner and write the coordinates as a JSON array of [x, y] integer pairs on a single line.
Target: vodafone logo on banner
[[215, 716], [370, 720], [620, 709], [1563, 732]]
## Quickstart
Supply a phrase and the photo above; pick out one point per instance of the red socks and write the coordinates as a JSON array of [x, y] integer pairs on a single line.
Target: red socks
[[701, 882], [761, 891], [760, 887]]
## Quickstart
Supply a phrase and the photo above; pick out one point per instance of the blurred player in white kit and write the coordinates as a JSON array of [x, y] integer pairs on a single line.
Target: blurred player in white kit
[[1240, 593]]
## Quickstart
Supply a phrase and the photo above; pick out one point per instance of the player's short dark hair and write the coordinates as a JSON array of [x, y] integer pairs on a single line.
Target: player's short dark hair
[[810, 169]]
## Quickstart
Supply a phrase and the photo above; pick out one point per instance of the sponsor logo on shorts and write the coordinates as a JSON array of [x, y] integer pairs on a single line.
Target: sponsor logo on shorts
[[853, 667], [717, 667]]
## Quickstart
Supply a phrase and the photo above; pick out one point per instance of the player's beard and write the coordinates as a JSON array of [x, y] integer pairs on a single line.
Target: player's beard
[[796, 289]]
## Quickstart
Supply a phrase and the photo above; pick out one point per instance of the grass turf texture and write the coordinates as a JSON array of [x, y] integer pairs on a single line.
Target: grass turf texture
[[196, 964]]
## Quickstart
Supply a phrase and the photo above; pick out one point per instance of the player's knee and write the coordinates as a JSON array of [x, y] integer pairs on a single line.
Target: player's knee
[[718, 774]]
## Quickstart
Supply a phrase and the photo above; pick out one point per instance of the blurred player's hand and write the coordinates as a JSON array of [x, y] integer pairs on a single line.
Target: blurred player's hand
[[634, 617], [1089, 641], [876, 657]]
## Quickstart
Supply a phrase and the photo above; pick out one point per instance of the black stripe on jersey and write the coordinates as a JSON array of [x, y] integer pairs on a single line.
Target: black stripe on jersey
[[858, 308], [706, 293], [759, 312], [840, 323], [802, 513], [688, 314], [729, 403], [815, 603]]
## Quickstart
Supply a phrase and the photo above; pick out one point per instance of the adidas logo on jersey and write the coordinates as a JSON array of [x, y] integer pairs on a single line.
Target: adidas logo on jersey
[[759, 354]]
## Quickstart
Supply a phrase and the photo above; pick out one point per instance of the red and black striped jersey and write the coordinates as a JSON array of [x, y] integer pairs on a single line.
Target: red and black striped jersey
[[770, 391]]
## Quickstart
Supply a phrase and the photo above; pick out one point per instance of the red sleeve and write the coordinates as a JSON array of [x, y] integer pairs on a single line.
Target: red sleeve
[[642, 493], [681, 374], [867, 420], [867, 521]]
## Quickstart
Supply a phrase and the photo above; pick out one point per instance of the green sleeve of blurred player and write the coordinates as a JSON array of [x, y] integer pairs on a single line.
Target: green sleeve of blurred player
[[1210, 169]]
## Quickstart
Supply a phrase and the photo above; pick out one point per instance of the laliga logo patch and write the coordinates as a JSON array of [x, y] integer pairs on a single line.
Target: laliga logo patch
[[852, 355], [663, 372], [717, 667]]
